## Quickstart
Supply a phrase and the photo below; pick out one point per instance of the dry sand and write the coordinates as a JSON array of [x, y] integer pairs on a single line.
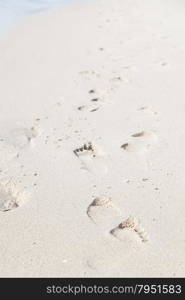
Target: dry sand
[[92, 142]]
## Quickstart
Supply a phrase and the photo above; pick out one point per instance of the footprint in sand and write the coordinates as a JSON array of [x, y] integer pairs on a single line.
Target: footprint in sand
[[7, 152], [11, 196], [15, 140], [127, 228], [92, 157], [147, 135], [117, 81], [89, 108], [148, 110], [144, 140], [88, 74], [98, 97], [23, 137], [102, 211]]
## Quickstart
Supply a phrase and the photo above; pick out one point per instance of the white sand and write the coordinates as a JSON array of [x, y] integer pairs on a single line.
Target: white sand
[[60, 212]]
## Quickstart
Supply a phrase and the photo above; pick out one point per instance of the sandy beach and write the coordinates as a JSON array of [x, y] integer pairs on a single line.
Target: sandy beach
[[92, 142]]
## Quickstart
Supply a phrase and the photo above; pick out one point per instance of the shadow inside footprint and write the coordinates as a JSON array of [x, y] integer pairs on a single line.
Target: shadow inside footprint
[[143, 141], [89, 108], [147, 135], [127, 228], [103, 212]]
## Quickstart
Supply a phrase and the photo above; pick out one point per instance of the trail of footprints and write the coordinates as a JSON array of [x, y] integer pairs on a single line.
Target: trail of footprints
[[94, 159], [102, 211]]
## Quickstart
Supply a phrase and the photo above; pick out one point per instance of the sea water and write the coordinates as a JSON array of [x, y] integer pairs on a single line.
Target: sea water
[[14, 11]]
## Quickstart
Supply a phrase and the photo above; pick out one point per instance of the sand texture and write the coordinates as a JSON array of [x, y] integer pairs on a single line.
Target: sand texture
[[92, 142]]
